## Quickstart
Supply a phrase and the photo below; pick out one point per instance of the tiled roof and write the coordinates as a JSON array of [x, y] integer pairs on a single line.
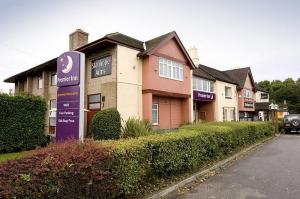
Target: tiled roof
[[217, 74], [153, 43], [110, 39], [125, 39], [239, 75], [199, 72]]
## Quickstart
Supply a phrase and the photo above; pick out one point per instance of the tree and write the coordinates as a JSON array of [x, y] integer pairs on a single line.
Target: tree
[[288, 90]]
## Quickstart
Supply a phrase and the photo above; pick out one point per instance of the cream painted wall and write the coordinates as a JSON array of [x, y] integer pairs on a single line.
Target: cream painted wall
[[129, 83], [258, 97], [221, 101]]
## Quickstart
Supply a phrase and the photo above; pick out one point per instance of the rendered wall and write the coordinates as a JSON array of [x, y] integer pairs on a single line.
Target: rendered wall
[[221, 101], [129, 83]]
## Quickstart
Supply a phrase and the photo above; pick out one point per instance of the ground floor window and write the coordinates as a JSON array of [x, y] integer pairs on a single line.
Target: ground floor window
[[228, 113], [52, 113], [155, 114], [246, 116], [94, 101]]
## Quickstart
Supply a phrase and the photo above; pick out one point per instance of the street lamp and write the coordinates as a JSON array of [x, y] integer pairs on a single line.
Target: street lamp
[[274, 108]]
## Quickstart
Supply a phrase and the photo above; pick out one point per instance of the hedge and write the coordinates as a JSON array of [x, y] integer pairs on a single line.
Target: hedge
[[106, 124], [22, 121], [125, 168]]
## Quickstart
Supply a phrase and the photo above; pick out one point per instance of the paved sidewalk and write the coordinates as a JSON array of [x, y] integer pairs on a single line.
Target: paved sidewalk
[[272, 171]]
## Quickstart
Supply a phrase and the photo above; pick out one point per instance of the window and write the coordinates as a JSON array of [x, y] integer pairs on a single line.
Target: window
[[52, 113], [232, 115], [40, 82], [228, 92], [155, 114], [53, 79], [247, 93], [264, 96], [170, 69], [203, 85], [228, 114], [94, 101], [225, 114]]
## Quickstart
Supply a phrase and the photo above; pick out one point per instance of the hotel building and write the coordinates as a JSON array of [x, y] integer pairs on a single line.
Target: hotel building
[[149, 80]]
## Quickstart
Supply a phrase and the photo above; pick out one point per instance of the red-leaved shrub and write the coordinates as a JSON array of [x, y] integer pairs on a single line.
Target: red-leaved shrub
[[69, 170]]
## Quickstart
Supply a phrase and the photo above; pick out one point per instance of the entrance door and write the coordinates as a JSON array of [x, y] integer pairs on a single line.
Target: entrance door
[[94, 105], [202, 115]]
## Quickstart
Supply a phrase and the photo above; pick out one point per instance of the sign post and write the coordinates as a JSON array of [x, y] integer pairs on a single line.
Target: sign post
[[70, 96]]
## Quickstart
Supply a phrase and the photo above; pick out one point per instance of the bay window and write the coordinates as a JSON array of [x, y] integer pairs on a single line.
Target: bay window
[[170, 69]]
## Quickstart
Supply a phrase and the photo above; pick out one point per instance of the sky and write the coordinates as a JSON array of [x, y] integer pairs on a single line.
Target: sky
[[262, 34]]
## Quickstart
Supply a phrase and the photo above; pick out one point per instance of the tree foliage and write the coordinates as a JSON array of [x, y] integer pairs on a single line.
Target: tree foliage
[[280, 91]]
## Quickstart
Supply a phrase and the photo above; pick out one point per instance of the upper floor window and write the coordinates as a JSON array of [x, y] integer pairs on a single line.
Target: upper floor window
[[170, 69], [247, 93], [264, 96], [228, 92], [40, 82], [203, 85], [53, 79]]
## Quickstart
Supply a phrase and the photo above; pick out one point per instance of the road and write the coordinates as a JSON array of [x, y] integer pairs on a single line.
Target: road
[[272, 171]]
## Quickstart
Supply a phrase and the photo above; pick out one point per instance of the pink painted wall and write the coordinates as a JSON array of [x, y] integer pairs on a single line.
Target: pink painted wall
[[241, 101], [173, 97], [151, 78]]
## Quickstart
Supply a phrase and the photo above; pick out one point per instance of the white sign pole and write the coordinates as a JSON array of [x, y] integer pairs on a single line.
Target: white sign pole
[[82, 92]]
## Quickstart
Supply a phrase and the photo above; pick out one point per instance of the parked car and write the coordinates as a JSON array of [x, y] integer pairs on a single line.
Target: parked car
[[291, 123]]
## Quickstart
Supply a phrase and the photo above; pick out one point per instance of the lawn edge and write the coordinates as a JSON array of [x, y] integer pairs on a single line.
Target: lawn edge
[[202, 173]]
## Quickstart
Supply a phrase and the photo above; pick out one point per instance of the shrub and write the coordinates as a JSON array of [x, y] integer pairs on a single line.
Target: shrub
[[134, 127], [123, 168], [138, 163], [106, 124], [22, 121], [69, 170]]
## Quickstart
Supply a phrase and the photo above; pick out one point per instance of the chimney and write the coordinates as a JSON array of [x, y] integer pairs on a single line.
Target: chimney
[[77, 39], [193, 52]]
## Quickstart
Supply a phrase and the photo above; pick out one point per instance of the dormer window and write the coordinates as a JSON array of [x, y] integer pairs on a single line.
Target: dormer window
[[170, 69]]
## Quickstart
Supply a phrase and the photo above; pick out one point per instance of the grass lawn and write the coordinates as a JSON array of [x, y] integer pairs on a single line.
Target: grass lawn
[[9, 156]]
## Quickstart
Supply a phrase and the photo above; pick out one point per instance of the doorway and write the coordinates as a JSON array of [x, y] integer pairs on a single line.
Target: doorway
[[94, 106]]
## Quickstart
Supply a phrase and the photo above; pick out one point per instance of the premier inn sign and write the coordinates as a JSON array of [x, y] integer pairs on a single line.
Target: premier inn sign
[[70, 96]]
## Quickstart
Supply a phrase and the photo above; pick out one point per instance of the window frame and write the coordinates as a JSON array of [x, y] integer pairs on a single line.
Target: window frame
[[228, 96], [157, 118], [97, 102], [247, 93], [200, 81], [53, 74], [50, 108], [170, 69], [40, 79]]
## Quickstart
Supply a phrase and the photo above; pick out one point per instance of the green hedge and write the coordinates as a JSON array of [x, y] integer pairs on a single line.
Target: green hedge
[[124, 168], [22, 121], [106, 124], [136, 163]]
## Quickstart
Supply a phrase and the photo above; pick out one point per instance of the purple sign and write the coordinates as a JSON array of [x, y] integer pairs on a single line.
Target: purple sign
[[67, 122], [203, 96], [68, 69], [70, 79]]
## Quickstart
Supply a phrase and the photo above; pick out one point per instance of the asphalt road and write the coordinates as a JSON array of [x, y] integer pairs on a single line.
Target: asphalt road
[[272, 171]]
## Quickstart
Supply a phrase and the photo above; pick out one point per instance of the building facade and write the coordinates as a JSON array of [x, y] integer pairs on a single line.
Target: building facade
[[147, 80], [245, 92], [262, 103]]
